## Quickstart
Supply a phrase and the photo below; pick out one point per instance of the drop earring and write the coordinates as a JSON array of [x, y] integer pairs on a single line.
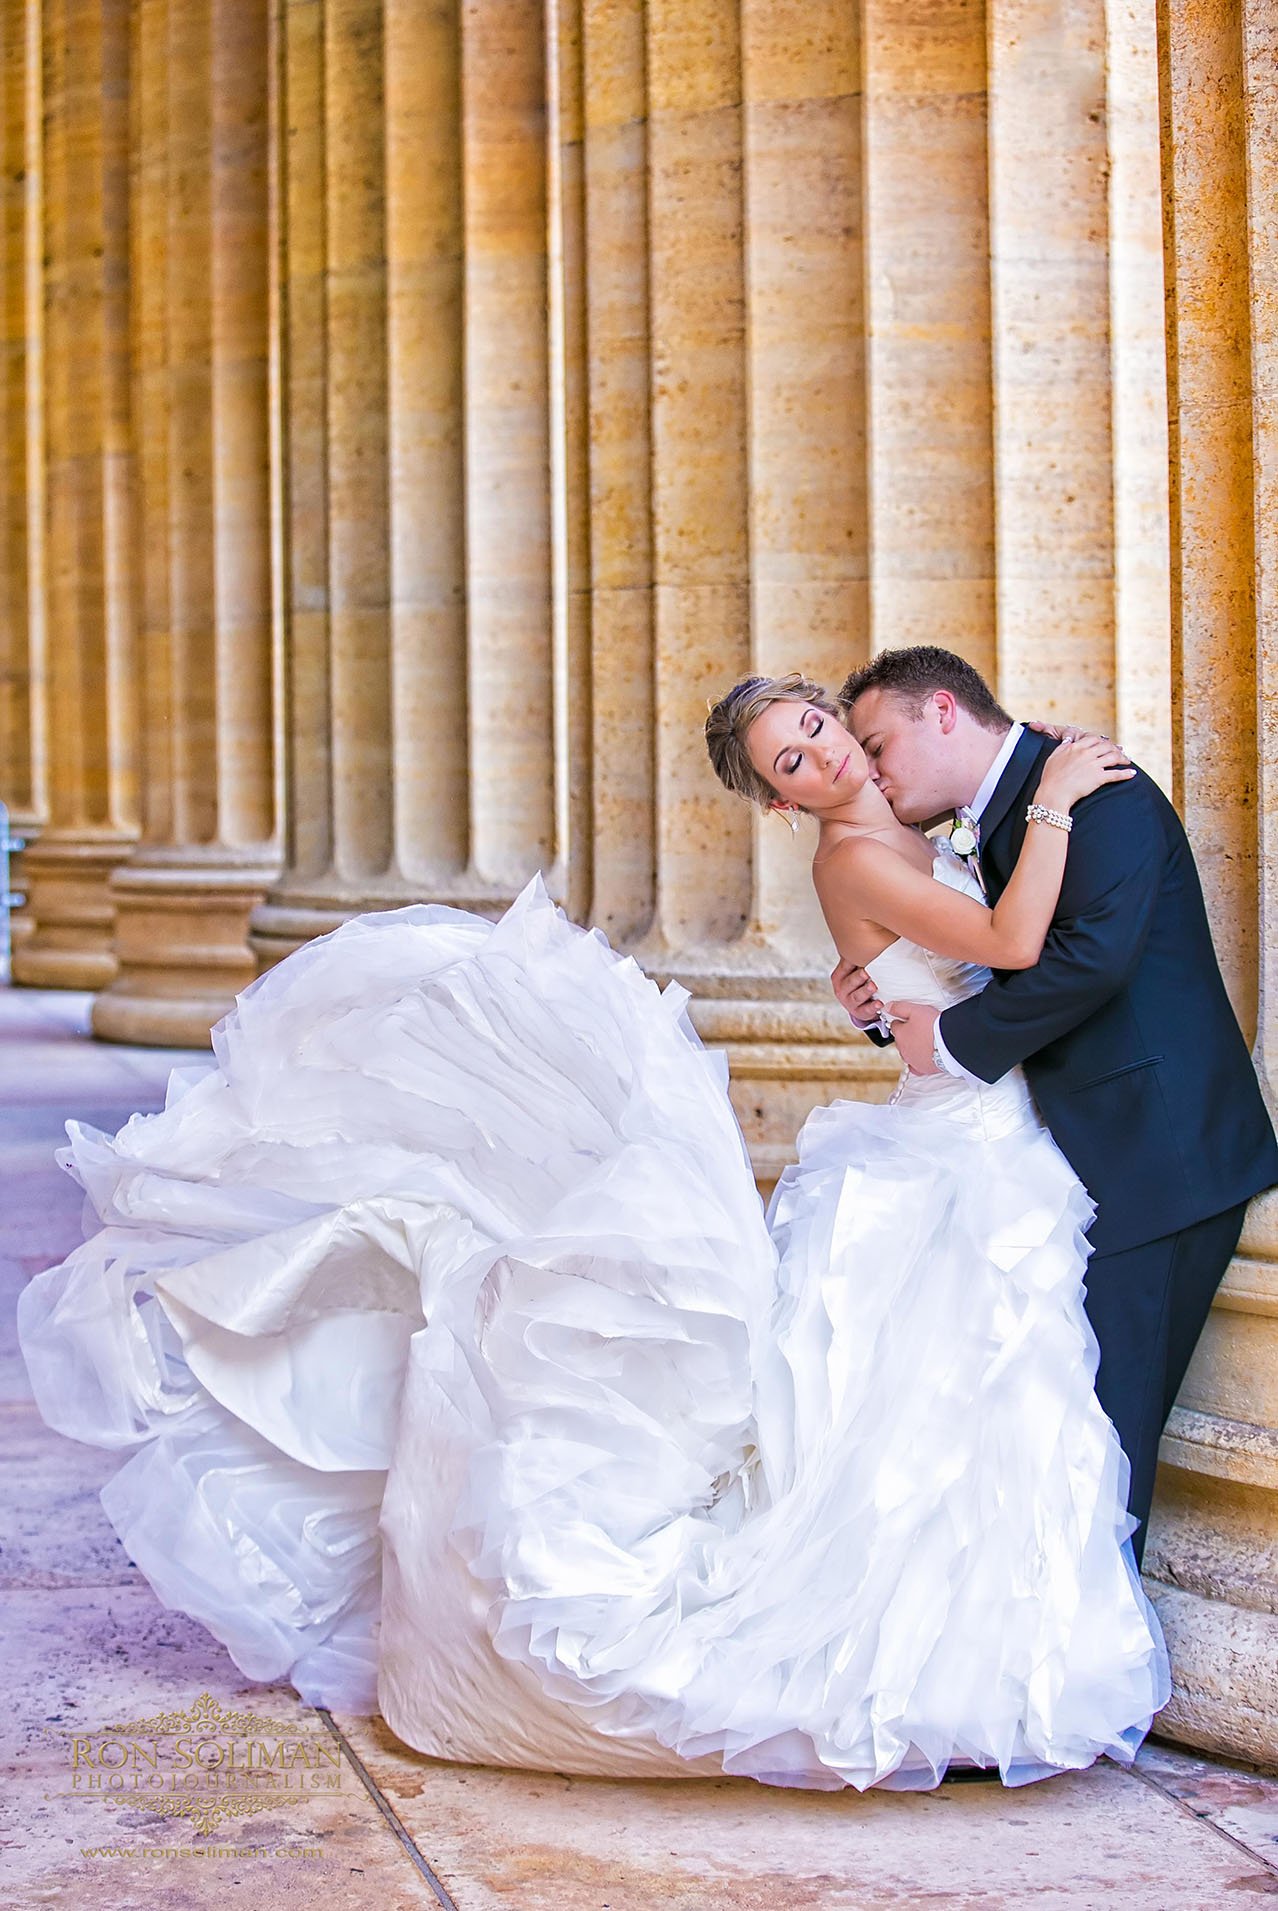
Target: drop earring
[[792, 819]]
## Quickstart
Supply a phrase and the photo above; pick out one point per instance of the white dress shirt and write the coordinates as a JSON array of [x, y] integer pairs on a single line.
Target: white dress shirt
[[971, 815]]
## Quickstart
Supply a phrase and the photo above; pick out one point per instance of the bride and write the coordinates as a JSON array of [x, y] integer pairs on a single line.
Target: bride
[[467, 1379]]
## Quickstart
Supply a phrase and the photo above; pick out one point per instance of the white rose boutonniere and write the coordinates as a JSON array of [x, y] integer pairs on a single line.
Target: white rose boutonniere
[[962, 839]]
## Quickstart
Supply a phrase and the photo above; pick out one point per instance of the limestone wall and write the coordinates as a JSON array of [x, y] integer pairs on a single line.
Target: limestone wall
[[414, 410], [69, 591], [1212, 1561]]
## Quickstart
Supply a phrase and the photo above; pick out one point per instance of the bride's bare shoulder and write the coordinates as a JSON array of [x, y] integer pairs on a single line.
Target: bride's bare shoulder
[[865, 857]]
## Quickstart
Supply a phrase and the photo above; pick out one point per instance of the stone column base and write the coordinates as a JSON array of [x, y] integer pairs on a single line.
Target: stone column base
[[295, 915], [181, 940], [1211, 1563], [277, 929], [1210, 1572], [786, 1058], [789, 1047], [21, 921], [1225, 1676], [66, 941], [21, 929]]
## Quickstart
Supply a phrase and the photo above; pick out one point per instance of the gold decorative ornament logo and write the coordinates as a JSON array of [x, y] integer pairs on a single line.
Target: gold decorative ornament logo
[[206, 1764]]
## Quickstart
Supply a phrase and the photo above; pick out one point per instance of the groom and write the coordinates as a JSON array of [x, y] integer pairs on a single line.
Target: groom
[[1124, 1030]]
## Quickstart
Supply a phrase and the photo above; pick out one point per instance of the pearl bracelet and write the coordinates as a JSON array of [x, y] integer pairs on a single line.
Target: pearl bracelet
[[1039, 813]]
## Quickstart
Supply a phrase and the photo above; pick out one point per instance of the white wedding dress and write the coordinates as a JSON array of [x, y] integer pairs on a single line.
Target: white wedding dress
[[467, 1379]]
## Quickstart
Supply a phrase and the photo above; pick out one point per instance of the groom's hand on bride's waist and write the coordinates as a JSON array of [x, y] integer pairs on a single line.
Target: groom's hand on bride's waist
[[909, 1022], [914, 1026]]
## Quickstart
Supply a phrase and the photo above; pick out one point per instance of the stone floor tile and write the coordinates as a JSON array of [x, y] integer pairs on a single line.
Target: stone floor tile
[[45, 1072], [82, 1659], [41, 1221], [43, 1212], [1235, 1798], [515, 1841], [24, 1129], [51, 1014], [53, 1531], [14, 1385]]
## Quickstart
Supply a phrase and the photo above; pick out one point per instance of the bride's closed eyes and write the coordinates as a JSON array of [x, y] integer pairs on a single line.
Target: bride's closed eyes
[[793, 758]]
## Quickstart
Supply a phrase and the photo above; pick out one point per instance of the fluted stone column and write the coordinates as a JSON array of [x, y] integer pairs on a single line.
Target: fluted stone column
[[614, 245], [929, 376], [23, 781], [1212, 1561], [1015, 387], [427, 712], [1138, 382], [760, 536], [1052, 414], [337, 446], [723, 442], [89, 726], [201, 336]]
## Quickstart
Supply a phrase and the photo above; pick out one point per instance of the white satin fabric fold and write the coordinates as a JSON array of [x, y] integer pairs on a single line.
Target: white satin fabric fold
[[466, 1377]]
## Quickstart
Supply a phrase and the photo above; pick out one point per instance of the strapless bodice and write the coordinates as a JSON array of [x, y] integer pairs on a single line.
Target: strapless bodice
[[906, 973]]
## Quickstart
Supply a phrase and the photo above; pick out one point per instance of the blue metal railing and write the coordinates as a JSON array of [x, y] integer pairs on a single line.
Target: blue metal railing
[[9, 899]]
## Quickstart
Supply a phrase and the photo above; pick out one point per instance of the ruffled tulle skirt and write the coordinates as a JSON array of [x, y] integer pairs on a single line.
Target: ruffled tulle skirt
[[465, 1377]]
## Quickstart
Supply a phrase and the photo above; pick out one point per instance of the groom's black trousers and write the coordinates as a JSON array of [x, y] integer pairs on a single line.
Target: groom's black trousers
[[1148, 1306]]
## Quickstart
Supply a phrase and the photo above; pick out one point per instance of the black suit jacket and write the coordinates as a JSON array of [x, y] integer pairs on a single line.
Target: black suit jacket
[[1124, 1029]]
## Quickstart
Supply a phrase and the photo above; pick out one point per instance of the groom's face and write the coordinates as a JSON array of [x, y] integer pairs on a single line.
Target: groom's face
[[908, 752]]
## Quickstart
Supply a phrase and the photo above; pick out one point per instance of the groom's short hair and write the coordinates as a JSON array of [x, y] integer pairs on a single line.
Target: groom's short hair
[[914, 673]]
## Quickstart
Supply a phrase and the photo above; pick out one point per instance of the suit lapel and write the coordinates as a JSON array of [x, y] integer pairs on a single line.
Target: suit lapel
[[1022, 760], [1021, 765]]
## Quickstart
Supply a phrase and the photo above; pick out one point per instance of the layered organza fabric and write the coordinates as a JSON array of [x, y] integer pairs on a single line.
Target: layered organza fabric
[[466, 1378]]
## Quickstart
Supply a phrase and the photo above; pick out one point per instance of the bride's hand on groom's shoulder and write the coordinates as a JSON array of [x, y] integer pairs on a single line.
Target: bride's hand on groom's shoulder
[[1084, 762], [1065, 732]]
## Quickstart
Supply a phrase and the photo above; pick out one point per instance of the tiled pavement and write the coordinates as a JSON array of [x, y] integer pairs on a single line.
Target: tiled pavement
[[87, 1645]]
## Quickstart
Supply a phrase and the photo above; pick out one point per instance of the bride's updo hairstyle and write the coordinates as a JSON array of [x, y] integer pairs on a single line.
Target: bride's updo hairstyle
[[729, 723]]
